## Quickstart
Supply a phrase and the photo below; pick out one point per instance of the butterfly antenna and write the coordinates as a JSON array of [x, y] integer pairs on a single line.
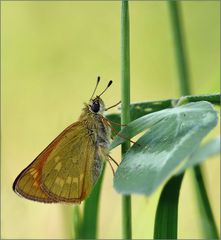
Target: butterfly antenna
[[108, 85], [98, 80]]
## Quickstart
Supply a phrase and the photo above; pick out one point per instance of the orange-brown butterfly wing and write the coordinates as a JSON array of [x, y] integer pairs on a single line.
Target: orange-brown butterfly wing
[[67, 176], [28, 182]]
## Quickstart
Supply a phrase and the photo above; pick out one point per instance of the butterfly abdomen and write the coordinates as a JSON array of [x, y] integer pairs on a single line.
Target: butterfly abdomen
[[97, 167], [103, 135]]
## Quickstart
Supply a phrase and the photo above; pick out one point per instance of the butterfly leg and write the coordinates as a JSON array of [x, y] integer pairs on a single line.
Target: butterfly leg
[[111, 167], [105, 121], [113, 160], [115, 123]]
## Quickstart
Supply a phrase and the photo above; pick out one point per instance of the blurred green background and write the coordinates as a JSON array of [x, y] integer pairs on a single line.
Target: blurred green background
[[51, 54]]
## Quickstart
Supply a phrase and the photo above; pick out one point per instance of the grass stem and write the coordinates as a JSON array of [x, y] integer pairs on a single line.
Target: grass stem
[[125, 100], [206, 211], [179, 45]]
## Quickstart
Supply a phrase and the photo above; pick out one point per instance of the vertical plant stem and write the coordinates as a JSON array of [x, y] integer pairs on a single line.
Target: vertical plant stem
[[89, 225], [167, 213], [208, 222], [209, 225], [76, 222], [125, 111], [176, 23]]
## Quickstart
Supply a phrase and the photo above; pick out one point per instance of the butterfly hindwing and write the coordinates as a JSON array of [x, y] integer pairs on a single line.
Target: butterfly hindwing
[[67, 175]]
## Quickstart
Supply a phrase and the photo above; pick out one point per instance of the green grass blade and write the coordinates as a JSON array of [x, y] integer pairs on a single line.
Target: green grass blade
[[209, 149], [208, 222], [175, 183], [185, 90], [125, 100], [206, 150], [91, 211], [165, 226], [176, 23]]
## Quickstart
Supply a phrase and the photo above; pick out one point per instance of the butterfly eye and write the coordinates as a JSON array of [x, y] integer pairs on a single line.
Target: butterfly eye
[[95, 107]]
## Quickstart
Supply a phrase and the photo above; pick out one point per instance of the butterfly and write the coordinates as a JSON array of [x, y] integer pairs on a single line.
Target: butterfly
[[69, 167]]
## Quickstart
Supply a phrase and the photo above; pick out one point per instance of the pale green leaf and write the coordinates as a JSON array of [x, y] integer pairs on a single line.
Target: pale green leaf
[[205, 151], [173, 134]]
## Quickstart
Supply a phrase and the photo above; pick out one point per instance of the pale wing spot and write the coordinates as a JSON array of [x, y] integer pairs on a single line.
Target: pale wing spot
[[35, 184], [74, 188], [81, 179], [81, 176], [75, 180], [59, 181], [58, 166], [33, 172], [68, 180], [81, 183], [35, 175], [74, 160], [67, 187], [57, 158]]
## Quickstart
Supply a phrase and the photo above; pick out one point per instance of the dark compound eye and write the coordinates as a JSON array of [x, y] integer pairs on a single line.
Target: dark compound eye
[[95, 107]]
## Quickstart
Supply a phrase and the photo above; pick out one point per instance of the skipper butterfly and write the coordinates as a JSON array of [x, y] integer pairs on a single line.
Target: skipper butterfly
[[68, 168]]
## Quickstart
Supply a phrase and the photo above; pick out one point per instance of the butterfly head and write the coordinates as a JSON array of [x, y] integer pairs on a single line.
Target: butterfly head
[[96, 105]]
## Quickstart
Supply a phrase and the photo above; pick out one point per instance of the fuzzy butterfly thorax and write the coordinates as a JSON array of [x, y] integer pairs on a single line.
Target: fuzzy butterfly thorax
[[95, 123]]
